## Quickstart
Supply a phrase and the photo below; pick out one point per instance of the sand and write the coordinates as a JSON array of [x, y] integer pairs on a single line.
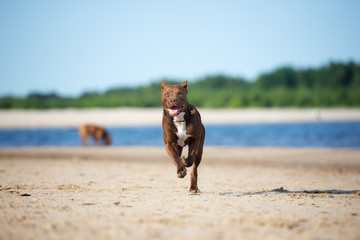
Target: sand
[[133, 193], [152, 116]]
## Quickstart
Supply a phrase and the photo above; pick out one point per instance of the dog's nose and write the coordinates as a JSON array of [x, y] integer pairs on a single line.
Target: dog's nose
[[172, 100]]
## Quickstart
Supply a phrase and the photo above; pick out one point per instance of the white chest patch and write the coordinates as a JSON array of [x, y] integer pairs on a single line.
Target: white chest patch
[[180, 124]]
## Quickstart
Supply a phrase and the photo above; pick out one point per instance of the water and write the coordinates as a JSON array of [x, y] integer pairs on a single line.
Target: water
[[328, 135]]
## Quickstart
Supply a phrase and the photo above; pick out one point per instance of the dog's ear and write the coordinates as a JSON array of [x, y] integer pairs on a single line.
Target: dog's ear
[[184, 84], [163, 85]]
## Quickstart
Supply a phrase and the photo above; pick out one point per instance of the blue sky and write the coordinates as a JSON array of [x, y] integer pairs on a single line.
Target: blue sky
[[72, 46]]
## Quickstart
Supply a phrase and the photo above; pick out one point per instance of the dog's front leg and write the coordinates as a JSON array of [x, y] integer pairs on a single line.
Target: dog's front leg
[[174, 153]]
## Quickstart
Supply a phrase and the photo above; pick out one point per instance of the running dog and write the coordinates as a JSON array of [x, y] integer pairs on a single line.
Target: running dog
[[182, 126]]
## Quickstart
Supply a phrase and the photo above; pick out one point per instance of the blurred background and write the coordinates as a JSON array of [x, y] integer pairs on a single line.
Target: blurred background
[[114, 53], [235, 54]]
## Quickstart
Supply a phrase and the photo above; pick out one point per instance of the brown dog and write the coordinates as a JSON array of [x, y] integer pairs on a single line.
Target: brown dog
[[97, 132], [182, 126]]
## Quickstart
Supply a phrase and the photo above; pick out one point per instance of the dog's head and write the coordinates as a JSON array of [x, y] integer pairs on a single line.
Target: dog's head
[[108, 140], [174, 98]]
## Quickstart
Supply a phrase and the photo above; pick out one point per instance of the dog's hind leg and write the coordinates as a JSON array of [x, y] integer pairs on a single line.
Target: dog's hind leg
[[189, 160], [193, 178], [194, 173], [173, 152], [193, 149], [180, 149], [197, 159]]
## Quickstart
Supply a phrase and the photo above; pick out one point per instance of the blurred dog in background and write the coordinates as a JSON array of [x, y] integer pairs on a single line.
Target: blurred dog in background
[[100, 135]]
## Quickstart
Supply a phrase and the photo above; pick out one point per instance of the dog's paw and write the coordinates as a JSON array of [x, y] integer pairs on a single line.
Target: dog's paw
[[194, 192], [186, 161], [182, 173]]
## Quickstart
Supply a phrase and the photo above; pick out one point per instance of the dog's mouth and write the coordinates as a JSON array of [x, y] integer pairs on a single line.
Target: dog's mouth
[[174, 110]]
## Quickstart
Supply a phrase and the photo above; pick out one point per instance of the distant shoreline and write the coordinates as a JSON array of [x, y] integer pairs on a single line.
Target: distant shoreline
[[152, 116]]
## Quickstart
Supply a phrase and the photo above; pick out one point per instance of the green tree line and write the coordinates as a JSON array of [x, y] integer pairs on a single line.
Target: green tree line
[[333, 85]]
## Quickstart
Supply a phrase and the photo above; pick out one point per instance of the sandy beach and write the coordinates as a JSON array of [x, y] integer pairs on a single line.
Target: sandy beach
[[133, 193]]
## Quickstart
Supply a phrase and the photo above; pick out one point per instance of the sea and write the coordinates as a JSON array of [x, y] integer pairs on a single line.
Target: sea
[[288, 135]]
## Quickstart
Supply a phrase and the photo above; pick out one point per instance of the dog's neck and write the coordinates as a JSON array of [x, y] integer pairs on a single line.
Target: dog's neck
[[179, 118]]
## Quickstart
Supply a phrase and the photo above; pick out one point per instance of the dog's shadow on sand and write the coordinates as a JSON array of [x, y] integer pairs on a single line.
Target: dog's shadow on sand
[[284, 191]]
